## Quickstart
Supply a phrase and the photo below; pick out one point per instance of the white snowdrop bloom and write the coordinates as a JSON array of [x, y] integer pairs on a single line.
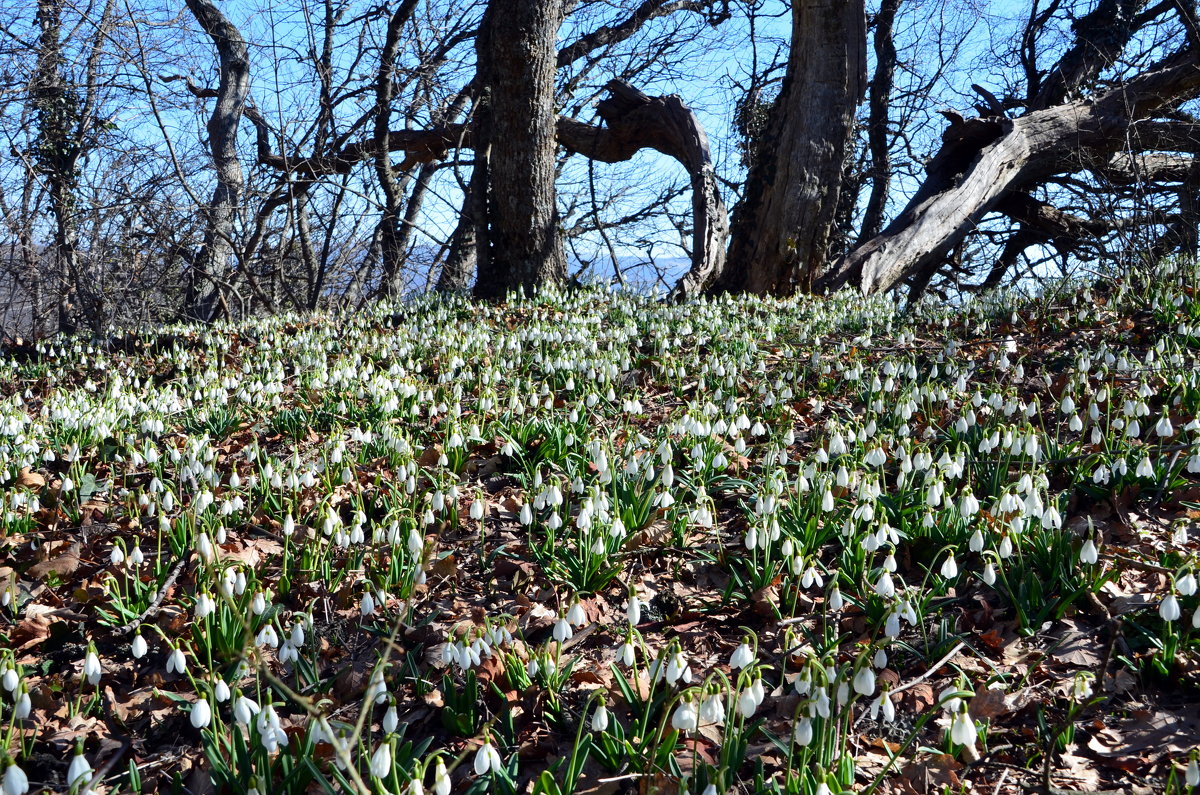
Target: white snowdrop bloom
[[136, 557], [477, 508], [1169, 608], [1144, 468], [884, 586], [1192, 775], [176, 661], [15, 781], [677, 668], [10, 680], [487, 758], [221, 691], [989, 573], [205, 605], [91, 667], [367, 608], [1186, 583], [562, 630], [381, 759], [742, 656], [79, 772], [836, 601], [1089, 554], [576, 615], [1164, 427], [391, 719], [976, 542], [526, 515], [712, 710], [201, 714], [685, 718], [600, 719], [244, 709], [627, 653], [949, 568], [633, 610], [864, 681], [802, 735], [962, 728], [267, 637], [117, 556], [441, 779]]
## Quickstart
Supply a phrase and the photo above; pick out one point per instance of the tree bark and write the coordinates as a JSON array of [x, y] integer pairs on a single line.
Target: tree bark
[[391, 246], [782, 225], [984, 160], [516, 55], [211, 268], [878, 134]]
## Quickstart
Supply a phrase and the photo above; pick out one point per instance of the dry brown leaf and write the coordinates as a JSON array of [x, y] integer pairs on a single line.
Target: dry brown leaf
[[30, 479], [63, 565]]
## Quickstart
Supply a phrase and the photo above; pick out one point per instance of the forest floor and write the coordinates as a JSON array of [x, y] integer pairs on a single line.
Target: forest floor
[[596, 543]]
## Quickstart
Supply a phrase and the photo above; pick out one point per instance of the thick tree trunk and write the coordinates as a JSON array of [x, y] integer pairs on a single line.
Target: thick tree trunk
[[516, 54], [210, 271], [984, 160], [58, 149], [781, 227]]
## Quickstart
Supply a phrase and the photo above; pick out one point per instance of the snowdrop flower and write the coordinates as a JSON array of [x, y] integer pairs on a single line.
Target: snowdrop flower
[[677, 668], [367, 608], [949, 568], [1186, 584], [441, 779], [802, 735], [79, 772], [742, 656], [15, 780], [91, 667], [244, 709], [633, 610], [221, 691], [1169, 609], [626, 653], [962, 728], [1164, 427], [381, 760], [864, 681], [201, 714], [562, 630], [1089, 554], [117, 556], [1192, 776], [989, 574], [685, 718], [712, 709], [176, 661], [576, 616], [884, 586], [600, 719], [487, 758], [836, 601]]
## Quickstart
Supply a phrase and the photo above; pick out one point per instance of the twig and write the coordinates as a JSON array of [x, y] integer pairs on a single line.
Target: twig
[[150, 611], [913, 683]]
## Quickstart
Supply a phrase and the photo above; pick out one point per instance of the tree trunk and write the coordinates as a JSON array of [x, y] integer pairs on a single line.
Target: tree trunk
[[984, 160], [878, 135], [516, 56], [210, 271], [781, 227], [58, 149], [391, 247]]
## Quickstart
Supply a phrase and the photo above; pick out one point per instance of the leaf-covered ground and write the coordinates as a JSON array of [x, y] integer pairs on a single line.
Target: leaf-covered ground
[[600, 543]]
